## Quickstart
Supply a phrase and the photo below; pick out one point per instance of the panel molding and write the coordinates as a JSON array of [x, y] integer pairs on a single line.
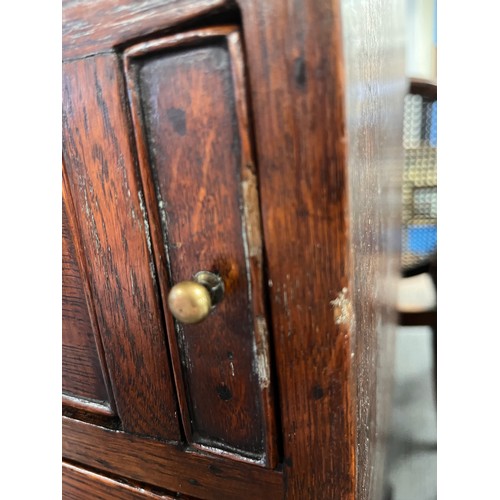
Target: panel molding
[[250, 221], [107, 408], [100, 166]]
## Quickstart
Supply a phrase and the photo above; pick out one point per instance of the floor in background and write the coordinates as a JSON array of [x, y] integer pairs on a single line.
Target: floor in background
[[412, 452]]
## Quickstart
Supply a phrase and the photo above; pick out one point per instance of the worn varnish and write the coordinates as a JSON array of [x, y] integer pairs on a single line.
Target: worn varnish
[[116, 245], [173, 468], [96, 26], [81, 484], [83, 379], [320, 147], [375, 84], [296, 77], [190, 116]]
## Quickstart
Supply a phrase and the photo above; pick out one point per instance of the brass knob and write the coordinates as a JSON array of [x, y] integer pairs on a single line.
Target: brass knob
[[191, 301]]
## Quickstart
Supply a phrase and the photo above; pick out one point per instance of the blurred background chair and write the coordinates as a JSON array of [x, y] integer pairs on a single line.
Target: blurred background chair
[[417, 295]]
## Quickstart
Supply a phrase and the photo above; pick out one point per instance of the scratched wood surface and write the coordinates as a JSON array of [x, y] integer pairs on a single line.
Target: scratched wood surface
[[375, 85], [95, 26], [296, 76], [191, 126], [113, 224], [82, 372], [295, 62], [170, 467], [81, 484]]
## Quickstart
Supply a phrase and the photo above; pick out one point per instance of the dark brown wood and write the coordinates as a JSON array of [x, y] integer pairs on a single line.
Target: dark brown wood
[[294, 51], [114, 232], [297, 79], [82, 484], [325, 227], [166, 466], [191, 124], [94, 26], [82, 374], [425, 88]]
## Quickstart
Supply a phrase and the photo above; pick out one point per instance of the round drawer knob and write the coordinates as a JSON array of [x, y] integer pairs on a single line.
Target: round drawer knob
[[191, 301]]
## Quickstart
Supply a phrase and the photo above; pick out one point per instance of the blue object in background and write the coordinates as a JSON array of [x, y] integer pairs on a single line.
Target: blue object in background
[[433, 131], [421, 239]]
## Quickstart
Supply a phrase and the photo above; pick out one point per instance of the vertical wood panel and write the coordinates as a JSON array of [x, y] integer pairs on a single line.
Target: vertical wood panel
[[189, 108], [295, 71], [82, 373], [115, 237], [296, 67]]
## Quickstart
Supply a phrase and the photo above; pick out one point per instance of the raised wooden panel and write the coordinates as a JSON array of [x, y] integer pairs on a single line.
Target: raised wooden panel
[[82, 372], [112, 218], [191, 122]]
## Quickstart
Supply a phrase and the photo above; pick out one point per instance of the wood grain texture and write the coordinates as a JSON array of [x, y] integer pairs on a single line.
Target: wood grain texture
[[295, 67], [115, 238], [167, 466], [93, 26], [82, 374], [189, 110], [81, 484], [375, 81], [314, 246]]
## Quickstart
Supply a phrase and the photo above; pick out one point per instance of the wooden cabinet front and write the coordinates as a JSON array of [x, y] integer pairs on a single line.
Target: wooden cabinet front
[[191, 124], [206, 135], [160, 178]]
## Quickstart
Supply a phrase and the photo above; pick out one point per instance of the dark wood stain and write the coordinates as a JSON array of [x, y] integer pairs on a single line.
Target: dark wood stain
[[300, 140], [82, 484], [86, 385], [81, 370], [168, 467], [215, 470], [309, 180], [224, 392], [178, 119], [107, 202], [199, 187], [96, 26], [299, 70], [317, 392]]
